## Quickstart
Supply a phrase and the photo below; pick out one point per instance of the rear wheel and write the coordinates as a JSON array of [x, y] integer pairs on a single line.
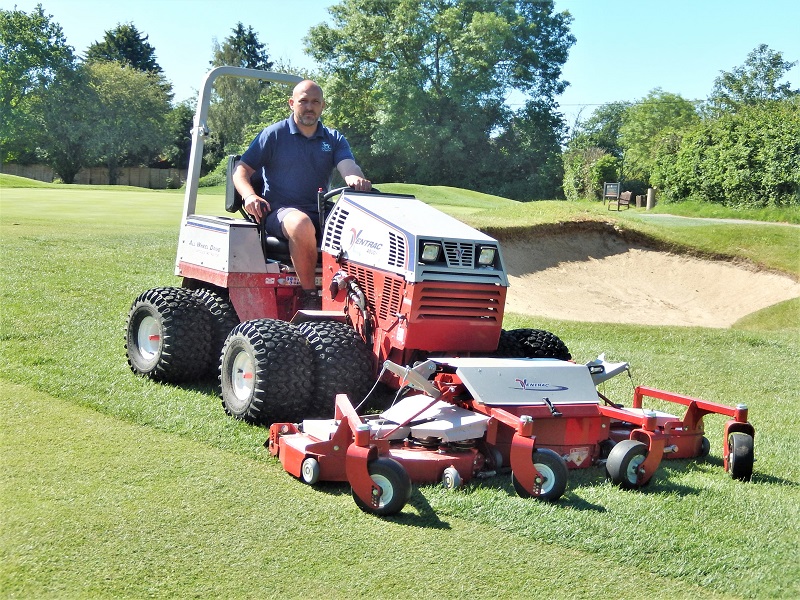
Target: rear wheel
[[554, 474], [531, 343], [623, 463], [343, 362], [395, 486], [223, 319], [266, 373], [167, 335], [740, 456]]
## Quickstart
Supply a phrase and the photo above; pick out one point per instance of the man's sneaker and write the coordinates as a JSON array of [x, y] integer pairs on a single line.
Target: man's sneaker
[[310, 300]]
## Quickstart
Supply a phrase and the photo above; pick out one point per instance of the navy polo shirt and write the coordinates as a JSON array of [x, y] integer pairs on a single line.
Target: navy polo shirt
[[290, 168]]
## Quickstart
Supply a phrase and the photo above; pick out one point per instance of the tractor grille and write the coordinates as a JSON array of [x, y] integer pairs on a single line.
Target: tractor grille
[[365, 278], [333, 230], [397, 251], [443, 302], [460, 254], [391, 296]]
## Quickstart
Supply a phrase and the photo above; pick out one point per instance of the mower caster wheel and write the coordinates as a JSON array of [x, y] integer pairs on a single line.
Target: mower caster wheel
[[623, 464], [740, 456], [451, 479], [554, 471], [705, 447], [395, 486], [309, 471]]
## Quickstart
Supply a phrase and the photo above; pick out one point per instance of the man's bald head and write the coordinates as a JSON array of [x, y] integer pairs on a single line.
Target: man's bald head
[[307, 104], [306, 86]]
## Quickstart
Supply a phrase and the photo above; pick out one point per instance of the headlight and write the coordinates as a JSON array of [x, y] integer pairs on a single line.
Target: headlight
[[430, 252], [486, 257]]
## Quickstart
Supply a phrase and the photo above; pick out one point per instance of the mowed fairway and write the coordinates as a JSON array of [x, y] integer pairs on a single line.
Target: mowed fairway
[[112, 486]]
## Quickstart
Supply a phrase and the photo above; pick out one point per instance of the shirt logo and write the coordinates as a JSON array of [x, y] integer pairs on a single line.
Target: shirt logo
[[326, 147]]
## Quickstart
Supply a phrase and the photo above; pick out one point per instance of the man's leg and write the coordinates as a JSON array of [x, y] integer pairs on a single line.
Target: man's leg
[[299, 230]]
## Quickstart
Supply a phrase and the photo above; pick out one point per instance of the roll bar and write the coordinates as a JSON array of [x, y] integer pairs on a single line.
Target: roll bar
[[200, 129]]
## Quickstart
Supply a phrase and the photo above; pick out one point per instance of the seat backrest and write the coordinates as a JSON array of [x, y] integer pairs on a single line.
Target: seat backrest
[[233, 199]]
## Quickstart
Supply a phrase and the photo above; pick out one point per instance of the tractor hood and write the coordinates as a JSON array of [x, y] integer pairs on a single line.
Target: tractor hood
[[406, 236]]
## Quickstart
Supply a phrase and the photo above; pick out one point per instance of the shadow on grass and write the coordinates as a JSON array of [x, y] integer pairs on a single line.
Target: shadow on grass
[[421, 515]]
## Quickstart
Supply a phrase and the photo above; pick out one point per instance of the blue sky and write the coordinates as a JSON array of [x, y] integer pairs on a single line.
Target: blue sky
[[624, 48]]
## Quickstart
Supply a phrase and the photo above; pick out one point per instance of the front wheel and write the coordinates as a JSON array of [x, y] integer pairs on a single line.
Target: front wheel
[[343, 363], [623, 463], [395, 484], [266, 375], [554, 473], [740, 456]]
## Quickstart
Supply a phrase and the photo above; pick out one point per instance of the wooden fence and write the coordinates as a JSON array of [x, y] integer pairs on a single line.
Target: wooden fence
[[157, 179]]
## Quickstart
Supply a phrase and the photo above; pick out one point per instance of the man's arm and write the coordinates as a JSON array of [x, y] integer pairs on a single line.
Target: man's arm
[[353, 176], [253, 203]]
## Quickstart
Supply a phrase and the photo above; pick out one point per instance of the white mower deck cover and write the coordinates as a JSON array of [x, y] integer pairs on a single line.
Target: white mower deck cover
[[524, 381]]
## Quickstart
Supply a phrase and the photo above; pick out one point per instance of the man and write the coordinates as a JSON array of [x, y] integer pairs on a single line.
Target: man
[[282, 170]]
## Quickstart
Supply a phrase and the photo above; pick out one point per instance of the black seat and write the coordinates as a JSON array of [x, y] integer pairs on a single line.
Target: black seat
[[274, 248]]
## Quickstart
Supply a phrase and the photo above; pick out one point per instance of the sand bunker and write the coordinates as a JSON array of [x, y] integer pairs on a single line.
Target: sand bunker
[[598, 276]]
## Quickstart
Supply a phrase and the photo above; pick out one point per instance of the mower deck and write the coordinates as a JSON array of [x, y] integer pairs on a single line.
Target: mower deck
[[472, 416]]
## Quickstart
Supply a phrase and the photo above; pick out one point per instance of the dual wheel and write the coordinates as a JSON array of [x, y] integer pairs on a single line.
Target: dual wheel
[[273, 371], [168, 335], [268, 370]]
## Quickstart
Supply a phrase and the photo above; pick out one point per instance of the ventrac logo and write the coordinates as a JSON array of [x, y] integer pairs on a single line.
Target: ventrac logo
[[356, 239], [535, 386]]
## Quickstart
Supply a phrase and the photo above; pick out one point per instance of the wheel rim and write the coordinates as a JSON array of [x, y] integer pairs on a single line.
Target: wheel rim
[[310, 471], [632, 471], [548, 476], [148, 338], [243, 377], [387, 491]]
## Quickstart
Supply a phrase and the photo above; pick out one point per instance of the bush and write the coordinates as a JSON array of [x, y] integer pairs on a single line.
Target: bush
[[746, 159], [217, 176], [585, 170]]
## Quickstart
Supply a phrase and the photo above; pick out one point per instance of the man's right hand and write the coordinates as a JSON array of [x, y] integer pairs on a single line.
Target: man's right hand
[[257, 206]]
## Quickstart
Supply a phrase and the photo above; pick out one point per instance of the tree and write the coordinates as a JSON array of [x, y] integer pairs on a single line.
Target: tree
[[33, 52], [130, 115], [235, 103], [179, 122], [645, 126], [127, 46], [421, 83], [530, 147], [65, 140], [602, 128], [757, 80]]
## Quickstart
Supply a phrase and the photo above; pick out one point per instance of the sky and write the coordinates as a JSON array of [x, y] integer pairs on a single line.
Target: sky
[[624, 48]]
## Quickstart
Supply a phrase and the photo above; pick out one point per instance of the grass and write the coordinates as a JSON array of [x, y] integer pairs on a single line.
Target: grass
[[112, 486]]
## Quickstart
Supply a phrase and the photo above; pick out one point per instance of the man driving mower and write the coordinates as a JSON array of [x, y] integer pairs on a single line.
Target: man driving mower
[[281, 172]]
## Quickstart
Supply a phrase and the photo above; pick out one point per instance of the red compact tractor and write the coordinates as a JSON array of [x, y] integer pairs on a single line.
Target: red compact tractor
[[411, 298]]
